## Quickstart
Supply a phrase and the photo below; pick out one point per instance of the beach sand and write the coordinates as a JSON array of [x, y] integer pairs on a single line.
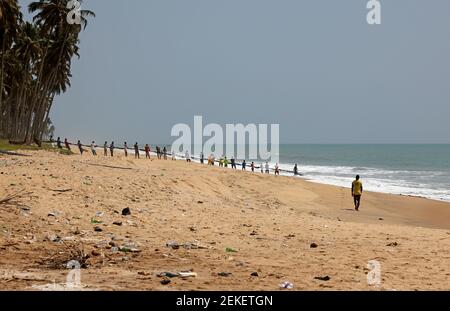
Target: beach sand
[[270, 222]]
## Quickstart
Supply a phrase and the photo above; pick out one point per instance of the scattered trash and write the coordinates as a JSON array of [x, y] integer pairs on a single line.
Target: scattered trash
[[322, 278], [168, 275], [99, 214], [290, 236], [126, 249], [165, 282], [224, 274], [98, 229], [173, 245], [254, 233], [200, 202], [286, 285], [314, 245], [380, 218], [126, 211], [182, 274], [392, 244], [52, 214], [230, 250], [95, 221], [117, 223], [254, 274], [53, 238]]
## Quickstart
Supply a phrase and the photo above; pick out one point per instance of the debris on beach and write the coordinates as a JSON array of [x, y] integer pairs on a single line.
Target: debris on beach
[[392, 244], [224, 274], [322, 278], [98, 229], [165, 282], [314, 245], [286, 285], [254, 274], [126, 211], [230, 250], [117, 223]]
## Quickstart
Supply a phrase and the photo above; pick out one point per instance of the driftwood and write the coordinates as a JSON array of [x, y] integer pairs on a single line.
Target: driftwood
[[14, 199]]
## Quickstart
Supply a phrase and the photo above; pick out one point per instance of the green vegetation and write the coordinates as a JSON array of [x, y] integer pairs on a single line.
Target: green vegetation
[[6, 146]]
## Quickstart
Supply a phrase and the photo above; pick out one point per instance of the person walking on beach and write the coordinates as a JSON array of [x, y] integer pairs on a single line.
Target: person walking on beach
[[94, 152], [225, 162], [147, 151], [244, 165], [202, 158], [111, 149], [105, 149], [80, 147], [262, 168], [136, 151], [267, 168], [125, 149], [66, 143], [253, 167], [357, 191], [233, 163], [165, 153], [58, 143]]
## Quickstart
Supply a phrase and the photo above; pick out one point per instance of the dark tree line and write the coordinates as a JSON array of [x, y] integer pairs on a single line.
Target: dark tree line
[[35, 65]]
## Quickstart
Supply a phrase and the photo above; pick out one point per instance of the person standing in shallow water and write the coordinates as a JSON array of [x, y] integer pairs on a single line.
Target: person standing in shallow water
[[357, 191]]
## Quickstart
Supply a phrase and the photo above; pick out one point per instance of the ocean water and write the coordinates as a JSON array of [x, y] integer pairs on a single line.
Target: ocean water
[[416, 170]]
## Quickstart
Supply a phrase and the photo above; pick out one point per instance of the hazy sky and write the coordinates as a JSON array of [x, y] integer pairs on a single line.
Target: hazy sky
[[313, 66]]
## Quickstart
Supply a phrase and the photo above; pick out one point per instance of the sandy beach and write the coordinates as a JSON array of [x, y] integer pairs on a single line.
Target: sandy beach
[[236, 230]]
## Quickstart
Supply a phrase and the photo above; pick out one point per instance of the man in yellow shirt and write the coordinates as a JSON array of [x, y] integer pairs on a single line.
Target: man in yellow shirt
[[357, 190]]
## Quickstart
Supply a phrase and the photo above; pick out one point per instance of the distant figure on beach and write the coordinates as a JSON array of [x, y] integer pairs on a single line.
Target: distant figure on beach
[[244, 165], [136, 151], [225, 162], [277, 170], [210, 160], [253, 166], [357, 191], [105, 149], [147, 151], [58, 143], [295, 170], [51, 139], [262, 168], [202, 158], [125, 149], [94, 152], [165, 153], [158, 152], [221, 162], [66, 143], [111, 149], [267, 168], [188, 157], [80, 147], [173, 156], [233, 163]]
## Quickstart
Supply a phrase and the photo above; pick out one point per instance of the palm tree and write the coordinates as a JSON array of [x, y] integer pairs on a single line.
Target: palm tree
[[9, 18], [54, 75]]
